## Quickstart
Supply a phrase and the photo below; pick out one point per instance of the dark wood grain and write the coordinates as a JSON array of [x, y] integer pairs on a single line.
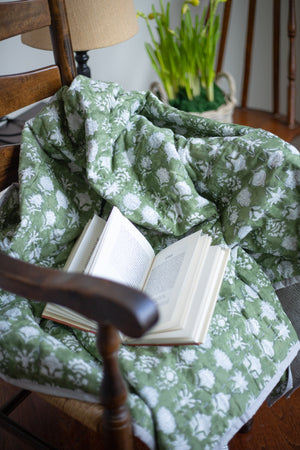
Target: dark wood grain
[[265, 119], [61, 41], [292, 64], [274, 428], [248, 52], [18, 17], [224, 32], [114, 306], [276, 54], [116, 423], [249, 66], [9, 157], [21, 90], [128, 309]]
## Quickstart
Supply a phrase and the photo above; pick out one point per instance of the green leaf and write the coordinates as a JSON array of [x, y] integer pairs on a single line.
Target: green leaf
[[184, 57]]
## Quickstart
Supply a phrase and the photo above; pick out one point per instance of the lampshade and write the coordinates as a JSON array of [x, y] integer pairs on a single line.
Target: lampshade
[[93, 24]]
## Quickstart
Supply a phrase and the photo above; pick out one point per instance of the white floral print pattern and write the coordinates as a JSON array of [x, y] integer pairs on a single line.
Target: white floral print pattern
[[95, 145]]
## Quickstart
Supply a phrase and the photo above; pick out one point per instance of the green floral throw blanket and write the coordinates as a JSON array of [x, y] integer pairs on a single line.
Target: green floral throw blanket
[[95, 145]]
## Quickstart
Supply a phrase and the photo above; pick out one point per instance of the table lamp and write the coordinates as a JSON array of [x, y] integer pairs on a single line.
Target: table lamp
[[93, 24]]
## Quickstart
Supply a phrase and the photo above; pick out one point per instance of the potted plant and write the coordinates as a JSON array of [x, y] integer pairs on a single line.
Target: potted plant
[[184, 59]]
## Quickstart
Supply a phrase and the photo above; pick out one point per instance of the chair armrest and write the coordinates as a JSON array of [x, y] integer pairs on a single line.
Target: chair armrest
[[103, 301]]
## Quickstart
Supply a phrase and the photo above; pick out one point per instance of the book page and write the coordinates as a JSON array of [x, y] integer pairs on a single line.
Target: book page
[[171, 277], [163, 277], [208, 288], [205, 293], [123, 255], [85, 245]]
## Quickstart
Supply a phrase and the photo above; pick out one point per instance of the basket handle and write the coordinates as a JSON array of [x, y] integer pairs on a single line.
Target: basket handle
[[231, 84], [157, 88]]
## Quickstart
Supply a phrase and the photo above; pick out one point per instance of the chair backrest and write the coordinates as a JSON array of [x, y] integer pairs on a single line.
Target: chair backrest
[[291, 60], [24, 89], [114, 306]]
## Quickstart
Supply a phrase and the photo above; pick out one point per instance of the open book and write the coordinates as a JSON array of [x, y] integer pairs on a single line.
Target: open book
[[184, 279]]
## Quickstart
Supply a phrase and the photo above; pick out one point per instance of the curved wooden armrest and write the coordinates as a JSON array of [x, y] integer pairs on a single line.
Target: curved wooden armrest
[[103, 301], [113, 306]]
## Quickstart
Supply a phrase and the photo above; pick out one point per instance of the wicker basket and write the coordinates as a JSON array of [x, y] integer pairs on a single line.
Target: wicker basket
[[223, 114]]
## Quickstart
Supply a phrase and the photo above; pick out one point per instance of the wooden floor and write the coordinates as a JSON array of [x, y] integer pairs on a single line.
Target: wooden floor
[[276, 428], [262, 119]]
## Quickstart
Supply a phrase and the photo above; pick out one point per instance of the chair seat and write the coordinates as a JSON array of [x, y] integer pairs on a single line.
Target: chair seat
[[88, 414]]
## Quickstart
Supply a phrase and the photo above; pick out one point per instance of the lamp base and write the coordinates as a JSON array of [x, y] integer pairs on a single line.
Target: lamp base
[[82, 68]]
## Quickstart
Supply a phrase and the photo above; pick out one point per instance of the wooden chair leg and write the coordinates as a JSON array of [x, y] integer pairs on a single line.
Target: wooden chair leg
[[116, 421], [292, 65], [225, 24], [248, 53], [276, 55]]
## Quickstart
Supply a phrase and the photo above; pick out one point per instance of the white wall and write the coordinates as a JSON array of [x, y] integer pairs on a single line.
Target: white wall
[[128, 64]]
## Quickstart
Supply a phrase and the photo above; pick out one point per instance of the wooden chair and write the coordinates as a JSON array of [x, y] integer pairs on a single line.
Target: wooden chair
[[113, 306], [285, 126]]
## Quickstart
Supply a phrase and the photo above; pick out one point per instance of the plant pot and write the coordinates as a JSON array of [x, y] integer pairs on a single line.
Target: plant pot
[[223, 114]]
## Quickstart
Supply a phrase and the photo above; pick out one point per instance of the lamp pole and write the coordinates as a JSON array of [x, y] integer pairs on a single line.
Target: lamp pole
[[82, 68]]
